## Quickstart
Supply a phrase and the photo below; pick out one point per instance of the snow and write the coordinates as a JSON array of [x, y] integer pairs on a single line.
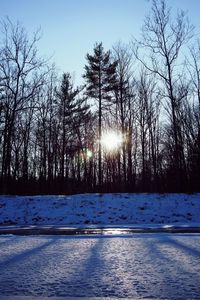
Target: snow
[[100, 209], [140, 266], [113, 264]]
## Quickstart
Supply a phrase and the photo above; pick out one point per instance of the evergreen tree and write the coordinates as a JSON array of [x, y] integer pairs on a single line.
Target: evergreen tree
[[100, 75], [72, 111]]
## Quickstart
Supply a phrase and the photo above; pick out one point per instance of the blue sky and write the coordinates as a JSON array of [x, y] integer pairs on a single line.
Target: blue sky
[[70, 28]]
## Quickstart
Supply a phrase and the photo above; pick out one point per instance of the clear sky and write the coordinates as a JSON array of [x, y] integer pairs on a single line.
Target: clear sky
[[70, 28]]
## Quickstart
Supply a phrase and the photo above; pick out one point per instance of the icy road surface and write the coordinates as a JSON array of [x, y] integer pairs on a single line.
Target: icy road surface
[[156, 266]]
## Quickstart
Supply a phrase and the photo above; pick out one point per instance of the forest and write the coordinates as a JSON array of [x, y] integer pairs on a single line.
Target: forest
[[147, 92]]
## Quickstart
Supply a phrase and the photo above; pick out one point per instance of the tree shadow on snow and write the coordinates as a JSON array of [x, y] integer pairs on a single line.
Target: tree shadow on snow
[[174, 262], [16, 258]]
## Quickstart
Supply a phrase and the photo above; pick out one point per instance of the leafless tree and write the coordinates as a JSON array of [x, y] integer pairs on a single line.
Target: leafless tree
[[20, 74], [163, 37], [123, 101], [148, 122]]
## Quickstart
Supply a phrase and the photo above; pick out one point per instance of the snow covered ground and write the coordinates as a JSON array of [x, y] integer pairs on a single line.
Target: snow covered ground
[[141, 266], [98, 209], [113, 265]]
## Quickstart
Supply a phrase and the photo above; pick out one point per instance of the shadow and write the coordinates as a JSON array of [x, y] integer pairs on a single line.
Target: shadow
[[183, 247], [157, 266], [33, 266], [113, 275], [88, 272], [22, 256], [177, 274], [93, 271], [86, 278], [7, 240], [103, 272]]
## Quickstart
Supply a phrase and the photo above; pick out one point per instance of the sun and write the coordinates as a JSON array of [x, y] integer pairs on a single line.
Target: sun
[[111, 140]]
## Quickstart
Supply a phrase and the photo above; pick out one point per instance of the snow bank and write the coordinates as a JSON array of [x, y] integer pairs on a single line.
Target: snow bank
[[110, 209]]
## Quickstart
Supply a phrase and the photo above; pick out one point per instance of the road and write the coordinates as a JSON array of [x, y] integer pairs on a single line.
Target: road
[[137, 266], [98, 230]]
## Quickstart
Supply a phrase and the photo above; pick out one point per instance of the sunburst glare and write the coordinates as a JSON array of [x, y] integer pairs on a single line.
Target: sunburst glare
[[111, 140]]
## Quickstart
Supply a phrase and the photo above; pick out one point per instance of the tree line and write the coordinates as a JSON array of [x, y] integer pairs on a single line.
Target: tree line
[[148, 91]]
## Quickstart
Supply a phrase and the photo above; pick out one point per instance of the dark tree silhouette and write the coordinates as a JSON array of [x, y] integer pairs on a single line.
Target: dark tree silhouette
[[50, 139], [163, 38], [100, 75], [72, 112], [20, 81]]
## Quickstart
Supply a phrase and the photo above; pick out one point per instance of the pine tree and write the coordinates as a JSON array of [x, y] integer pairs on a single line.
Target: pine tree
[[71, 109], [100, 75]]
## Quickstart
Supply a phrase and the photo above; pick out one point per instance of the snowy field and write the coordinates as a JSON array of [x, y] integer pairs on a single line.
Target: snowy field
[[113, 265], [98, 209], [141, 266]]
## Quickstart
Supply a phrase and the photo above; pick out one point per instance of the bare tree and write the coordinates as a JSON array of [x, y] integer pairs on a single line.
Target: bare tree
[[194, 71], [192, 114], [148, 115], [20, 69], [162, 39], [123, 101]]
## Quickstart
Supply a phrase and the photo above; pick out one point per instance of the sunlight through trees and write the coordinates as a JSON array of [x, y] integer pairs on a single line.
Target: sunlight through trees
[[134, 124]]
